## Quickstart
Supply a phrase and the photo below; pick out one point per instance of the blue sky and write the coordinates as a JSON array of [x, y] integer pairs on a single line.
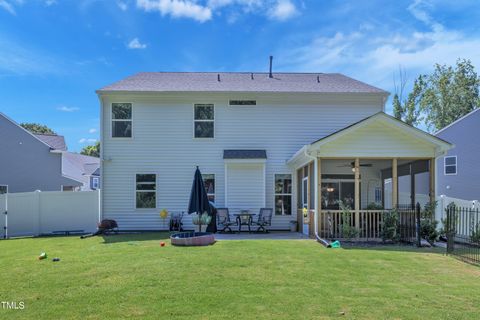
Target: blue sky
[[54, 54]]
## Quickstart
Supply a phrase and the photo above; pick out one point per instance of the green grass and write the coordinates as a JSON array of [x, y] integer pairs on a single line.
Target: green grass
[[132, 276]]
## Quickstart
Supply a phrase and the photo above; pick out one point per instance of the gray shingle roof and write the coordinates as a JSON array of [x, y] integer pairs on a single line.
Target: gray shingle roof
[[78, 166], [54, 141], [240, 82], [244, 154]]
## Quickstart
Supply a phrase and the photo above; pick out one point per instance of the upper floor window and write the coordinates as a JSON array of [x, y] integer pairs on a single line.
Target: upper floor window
[[451, 165], [145, 190], [203, 124], [283, 194], [3, 189], [209, 182], [121, 120]]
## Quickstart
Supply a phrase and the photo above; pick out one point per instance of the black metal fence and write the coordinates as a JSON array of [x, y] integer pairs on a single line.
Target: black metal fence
[[408, 223], [462, 226]]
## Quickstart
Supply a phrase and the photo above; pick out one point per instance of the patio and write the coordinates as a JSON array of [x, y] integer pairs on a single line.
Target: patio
[[273, 235]]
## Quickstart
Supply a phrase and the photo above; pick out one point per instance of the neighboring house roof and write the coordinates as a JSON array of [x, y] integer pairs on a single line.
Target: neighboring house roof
[[457, 121], [240, 82], [78, 166], [244, 154], [56, 142]]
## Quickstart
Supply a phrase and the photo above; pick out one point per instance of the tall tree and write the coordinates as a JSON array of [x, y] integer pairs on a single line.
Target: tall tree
[[449, 93], [407, 109], [92, 151], [37, 128]]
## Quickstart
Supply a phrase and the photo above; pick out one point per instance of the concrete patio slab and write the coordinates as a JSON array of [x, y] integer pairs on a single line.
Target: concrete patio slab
[[273, 235]]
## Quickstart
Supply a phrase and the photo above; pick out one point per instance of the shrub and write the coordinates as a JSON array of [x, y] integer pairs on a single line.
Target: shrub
[[374, 206], [390, 226], [348, 231], [428, 224], [475, 237]]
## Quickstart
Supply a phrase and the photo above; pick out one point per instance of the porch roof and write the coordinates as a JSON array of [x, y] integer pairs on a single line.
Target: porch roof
[[377, 136]]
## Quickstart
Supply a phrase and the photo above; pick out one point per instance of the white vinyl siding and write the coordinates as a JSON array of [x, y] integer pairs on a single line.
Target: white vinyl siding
[[163, 144]]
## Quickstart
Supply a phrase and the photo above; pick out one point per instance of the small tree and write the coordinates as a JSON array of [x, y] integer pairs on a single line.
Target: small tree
[[348, 231], [407, 109], [37, 128], [92, 151], [389, 230]]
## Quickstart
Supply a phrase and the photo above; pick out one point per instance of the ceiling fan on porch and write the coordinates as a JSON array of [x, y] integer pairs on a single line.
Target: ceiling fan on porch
[[352, 165]]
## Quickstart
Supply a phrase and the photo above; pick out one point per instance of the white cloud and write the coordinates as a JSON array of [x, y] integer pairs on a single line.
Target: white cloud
[[93, 130], [374, 57], [177, 9], [67, 109], [122, 5], [136, 44], [283, 10], [49, 3], [8, 6], [85, 140]]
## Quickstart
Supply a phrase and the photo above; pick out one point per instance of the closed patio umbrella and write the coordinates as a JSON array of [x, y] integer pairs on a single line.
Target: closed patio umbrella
[[199, 200]]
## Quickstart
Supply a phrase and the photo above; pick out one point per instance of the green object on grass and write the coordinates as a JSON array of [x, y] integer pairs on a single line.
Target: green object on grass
[[335, 244]]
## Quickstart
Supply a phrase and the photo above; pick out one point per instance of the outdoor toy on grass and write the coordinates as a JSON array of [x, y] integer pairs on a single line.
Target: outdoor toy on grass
[[42, 256]]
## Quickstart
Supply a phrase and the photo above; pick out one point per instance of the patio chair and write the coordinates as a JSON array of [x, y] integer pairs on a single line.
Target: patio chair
[[223, 220], [176, 223], [264, 219]]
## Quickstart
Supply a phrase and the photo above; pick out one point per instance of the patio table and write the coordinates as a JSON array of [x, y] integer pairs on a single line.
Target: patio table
[[244, 218]]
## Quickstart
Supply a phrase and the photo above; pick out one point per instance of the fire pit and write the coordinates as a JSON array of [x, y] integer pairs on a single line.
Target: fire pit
[[187, 239]]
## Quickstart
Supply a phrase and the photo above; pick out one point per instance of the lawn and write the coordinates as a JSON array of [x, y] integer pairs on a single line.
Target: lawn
[[132, 276]]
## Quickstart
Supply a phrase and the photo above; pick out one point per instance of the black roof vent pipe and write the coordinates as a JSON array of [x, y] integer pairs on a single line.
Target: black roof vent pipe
[[270, 75]]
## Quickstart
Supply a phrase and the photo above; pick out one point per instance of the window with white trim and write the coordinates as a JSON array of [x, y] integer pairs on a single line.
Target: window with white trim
[[95, 183], [3, 189], [146, 191], [283, 194], [121, 120], [209, 182], [204, 118], [450, 165]]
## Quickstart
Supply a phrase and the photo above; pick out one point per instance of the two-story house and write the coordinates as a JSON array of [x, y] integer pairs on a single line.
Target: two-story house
[[459, 173], [30, 162], [287, 141]]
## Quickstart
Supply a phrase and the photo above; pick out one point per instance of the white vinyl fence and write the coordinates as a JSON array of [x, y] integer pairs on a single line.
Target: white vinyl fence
[[444, 201], [37, 213]]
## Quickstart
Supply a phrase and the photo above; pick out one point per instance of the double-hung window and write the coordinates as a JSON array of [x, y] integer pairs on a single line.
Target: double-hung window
[[451, 165], [121, 120], [209, 182], [146, 191], [203, 124], [283, 194], [3, 189]]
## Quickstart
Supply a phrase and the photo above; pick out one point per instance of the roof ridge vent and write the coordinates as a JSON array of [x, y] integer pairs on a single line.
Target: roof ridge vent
[[318, 79], [218, 77]]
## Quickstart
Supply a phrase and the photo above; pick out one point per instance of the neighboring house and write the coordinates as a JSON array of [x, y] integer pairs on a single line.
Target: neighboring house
[[459, 172], [284, 141], [32, 162]]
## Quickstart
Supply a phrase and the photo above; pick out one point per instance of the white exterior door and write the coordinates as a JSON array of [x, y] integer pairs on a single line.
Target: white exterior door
[[245, 186]]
